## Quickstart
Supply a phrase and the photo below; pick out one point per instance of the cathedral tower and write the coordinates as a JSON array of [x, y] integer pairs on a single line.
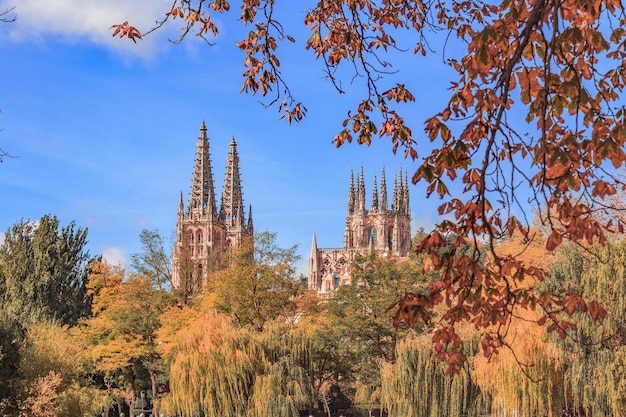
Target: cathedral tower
[[200, 229], [381, 228]]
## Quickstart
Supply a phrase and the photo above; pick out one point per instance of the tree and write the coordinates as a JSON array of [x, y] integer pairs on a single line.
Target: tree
[[121, 334], [220, 369], [43, 271], [557, 64], [594, 353], [360, 314], [258, 282], [54, 375], [416, 384], [153, 261], [11, 340]]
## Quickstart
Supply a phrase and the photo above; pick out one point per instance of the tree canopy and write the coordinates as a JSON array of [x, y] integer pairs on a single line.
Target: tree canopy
[[258, 282], [154, 260], [535, 121], [43, 271]]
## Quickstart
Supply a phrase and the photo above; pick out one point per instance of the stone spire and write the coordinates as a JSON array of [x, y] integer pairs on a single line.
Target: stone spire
[[250, 228], [361, 192], [375, 206], [383, 193], [181, 205], [351, 196], [202, 196], [231, 211], [313, 265], [405, 196], [394, 198]]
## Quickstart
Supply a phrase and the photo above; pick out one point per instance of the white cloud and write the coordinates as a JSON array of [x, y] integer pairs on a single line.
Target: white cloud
[[424, 221], [2, 236], [85, 20], [303, 267], [114, 255]]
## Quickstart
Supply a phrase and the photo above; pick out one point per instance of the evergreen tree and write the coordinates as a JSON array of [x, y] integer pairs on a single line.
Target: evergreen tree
[[43, 271], [11, 339]]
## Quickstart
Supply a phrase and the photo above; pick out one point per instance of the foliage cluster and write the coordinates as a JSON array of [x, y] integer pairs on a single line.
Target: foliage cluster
[[535, 120], [255, 342]]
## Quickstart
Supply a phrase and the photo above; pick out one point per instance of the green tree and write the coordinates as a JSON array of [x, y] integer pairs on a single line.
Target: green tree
[[258, 282], [153, 261], [362, 309], [417, 384], [356, 332], [594, 352], [43, 271], [12, 335]]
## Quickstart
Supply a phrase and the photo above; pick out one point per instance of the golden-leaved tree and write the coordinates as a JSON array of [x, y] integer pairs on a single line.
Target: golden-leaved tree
[[220, 369], [120, 336], [535, 119], [53, 373], [258, 283]]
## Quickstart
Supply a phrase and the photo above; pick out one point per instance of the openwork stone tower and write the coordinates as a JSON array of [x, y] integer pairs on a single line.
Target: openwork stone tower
[[380, 228], [200, 229]]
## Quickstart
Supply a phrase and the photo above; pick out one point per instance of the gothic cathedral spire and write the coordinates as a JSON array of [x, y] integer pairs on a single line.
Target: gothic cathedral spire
[[202, 196], [383, 193], [231, 211], [382, 229], [199, 229]]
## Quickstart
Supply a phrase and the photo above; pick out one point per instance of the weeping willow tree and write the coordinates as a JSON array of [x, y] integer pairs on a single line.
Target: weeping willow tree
[[595, 351], [416, 385], [284, 384], [220, 370], [525, 380]]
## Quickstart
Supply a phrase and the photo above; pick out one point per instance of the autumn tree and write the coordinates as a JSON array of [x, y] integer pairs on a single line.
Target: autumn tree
[[43, 271], [258, 282], [54, 376], [535, 120], [222, 369], [121, 334]]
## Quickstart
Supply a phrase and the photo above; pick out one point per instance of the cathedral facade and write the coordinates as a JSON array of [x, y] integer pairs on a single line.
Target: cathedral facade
[[382, 227], [202, 230]]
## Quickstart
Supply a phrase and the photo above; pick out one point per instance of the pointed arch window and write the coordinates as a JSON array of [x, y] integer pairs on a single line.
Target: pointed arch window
[[372, 236]]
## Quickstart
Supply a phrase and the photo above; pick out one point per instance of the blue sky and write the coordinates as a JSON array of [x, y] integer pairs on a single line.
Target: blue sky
[[104, 131]]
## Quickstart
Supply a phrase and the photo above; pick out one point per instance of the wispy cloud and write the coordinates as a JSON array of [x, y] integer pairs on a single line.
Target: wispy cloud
[[79, 21], [114, 255]]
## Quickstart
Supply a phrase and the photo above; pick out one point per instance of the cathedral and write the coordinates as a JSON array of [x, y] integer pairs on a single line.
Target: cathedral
[[380, 228], [200, 228]]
